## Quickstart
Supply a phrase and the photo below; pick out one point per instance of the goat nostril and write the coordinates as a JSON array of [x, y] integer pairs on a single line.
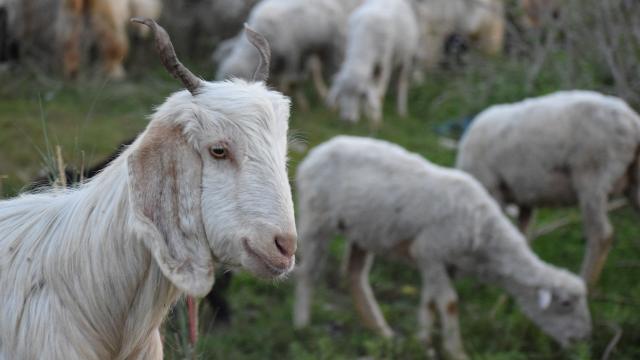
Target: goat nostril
[[286, 245]]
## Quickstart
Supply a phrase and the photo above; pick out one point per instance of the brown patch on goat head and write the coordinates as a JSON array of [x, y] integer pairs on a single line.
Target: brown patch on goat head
[[153, 149]]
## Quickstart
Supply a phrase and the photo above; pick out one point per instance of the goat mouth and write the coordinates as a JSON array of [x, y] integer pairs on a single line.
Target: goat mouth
[[273, 270]]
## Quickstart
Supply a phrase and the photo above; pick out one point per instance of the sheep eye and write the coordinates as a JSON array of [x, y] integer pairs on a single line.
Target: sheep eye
[[566, 304], [218, 152]]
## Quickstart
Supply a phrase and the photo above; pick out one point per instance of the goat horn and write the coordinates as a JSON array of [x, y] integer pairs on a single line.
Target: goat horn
[[257, 40], [168, 56]]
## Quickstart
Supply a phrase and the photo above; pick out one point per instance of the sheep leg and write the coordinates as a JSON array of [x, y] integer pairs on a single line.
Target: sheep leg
[[302, 305], [383, 79], [403, 88], [112, 37], [315, 67], [313, 252], [71, 45], [491, 37], [437, 288], [526, 215], [426, 314], [360, 262], [599, 234]]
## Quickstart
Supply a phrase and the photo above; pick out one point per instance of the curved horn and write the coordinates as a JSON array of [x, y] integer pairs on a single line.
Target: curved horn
[[168, 56], [257, 40]]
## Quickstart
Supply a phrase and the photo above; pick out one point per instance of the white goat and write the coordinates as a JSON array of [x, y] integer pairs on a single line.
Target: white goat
[[297, 30], [385, 200], [382, 38], [90, 273], [480, 20], [573, 147]]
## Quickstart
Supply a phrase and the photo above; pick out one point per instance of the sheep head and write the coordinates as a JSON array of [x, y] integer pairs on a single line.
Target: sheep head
[[352, 91], [208, 183], [560, 311]]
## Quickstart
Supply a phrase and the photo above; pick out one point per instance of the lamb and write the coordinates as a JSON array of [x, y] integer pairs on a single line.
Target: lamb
[[566, 148], [90, 273], [386, 200], [481, 20], [109, 21], [382, 38], [298, 30]]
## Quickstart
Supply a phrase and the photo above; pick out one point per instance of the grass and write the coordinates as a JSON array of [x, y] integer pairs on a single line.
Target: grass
[[95, 116]]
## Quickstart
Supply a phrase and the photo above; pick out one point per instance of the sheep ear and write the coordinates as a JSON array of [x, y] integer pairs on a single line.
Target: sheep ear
[[165, 182], [544, 298]]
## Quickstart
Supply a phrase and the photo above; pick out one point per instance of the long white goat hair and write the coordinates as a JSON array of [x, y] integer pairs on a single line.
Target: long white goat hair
[[73, 266], [61, 254], [90, 273]]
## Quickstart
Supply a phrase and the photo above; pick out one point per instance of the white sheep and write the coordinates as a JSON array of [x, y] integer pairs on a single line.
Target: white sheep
[[480, 20], [567, 148], [297, 30], [387, 201], [90, 273], [382, 38]]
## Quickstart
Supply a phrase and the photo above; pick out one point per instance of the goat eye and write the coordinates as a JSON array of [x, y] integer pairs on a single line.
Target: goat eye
[[218, 152]]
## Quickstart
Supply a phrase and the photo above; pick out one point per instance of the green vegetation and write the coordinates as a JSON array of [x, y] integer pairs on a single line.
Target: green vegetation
[[94, 117]]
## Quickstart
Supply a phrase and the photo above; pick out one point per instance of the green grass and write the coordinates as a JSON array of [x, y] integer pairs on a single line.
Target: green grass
[[92, 116]]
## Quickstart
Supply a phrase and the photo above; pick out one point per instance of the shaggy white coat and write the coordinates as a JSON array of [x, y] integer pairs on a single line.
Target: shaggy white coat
[[90, 273], [387, 201], [567, 148], [382, 38]]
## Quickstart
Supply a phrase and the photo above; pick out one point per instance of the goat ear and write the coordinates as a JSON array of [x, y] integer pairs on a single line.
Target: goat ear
[[165, 182]]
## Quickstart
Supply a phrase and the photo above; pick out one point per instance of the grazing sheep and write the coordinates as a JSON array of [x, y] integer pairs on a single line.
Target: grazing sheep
[[297, 30], [480, 20], [90, 273], [109, 21], [385, 200], [382, 38], [567, 148]]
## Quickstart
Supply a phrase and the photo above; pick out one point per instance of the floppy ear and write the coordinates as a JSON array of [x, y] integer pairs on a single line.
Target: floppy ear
[[165, 185]]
